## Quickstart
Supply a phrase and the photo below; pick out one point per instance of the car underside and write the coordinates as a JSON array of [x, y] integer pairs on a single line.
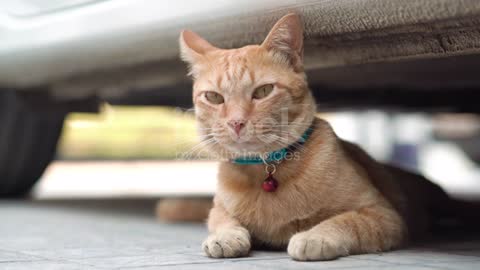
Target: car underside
[[394, 55]]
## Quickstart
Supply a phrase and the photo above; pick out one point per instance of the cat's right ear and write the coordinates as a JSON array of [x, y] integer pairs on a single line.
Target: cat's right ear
[[286, 38], [193, 47]]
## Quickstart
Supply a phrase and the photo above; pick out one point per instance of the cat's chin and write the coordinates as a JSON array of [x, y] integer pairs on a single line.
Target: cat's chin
[[243, 149], [239, 147]]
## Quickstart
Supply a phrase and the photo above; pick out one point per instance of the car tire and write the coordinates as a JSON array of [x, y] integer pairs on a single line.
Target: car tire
[[28, 140]]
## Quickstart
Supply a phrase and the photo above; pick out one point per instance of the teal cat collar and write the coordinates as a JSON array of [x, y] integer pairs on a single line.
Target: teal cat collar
[[275, 156]]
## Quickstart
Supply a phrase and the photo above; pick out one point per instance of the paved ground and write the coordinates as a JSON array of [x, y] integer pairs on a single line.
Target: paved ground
[[122, 234]]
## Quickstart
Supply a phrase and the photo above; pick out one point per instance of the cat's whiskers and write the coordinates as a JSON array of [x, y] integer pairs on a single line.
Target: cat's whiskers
[[275, 139], [285, 142], [293, 124], [205, 139], [188, 141], [198, 147]]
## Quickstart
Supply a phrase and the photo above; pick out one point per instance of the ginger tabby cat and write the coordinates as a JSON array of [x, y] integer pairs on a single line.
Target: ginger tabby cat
[[332, 199]]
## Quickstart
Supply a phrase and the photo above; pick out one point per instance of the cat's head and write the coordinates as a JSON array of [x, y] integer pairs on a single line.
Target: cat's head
[[253, 99]]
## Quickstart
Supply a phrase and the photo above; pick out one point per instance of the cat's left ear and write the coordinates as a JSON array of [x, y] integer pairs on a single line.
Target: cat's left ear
[[193, 47], [286, 37]]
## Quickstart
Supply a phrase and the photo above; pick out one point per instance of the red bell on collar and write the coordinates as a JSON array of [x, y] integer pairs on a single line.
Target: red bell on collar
[[270, 184]]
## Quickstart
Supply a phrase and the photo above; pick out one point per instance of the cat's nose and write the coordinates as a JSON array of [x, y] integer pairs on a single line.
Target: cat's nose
[[237, 125]]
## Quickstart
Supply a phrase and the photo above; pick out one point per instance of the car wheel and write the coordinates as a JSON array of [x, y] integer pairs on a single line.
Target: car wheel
[[28, 140]]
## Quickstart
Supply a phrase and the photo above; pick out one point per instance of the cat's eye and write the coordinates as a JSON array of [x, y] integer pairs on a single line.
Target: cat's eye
[[262, 91], [214, 97]]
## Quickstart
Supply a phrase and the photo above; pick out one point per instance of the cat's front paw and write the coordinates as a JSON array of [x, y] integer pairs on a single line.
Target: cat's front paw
[[310, 246], [227, 243]]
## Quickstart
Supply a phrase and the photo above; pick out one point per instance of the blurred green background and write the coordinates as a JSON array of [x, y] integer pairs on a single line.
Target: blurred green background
[[122, 132]]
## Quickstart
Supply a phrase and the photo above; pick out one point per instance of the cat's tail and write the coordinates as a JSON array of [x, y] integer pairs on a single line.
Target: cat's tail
[[183, 209]]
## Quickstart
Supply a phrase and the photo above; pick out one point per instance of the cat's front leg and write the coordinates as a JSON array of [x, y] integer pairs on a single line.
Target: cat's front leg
[[367, 230], [227, 239]]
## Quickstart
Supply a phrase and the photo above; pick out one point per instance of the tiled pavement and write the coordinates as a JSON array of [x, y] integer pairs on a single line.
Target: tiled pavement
[[124, 235]]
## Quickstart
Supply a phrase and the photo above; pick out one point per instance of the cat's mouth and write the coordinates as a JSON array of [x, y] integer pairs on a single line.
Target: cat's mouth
[[252, 140]]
